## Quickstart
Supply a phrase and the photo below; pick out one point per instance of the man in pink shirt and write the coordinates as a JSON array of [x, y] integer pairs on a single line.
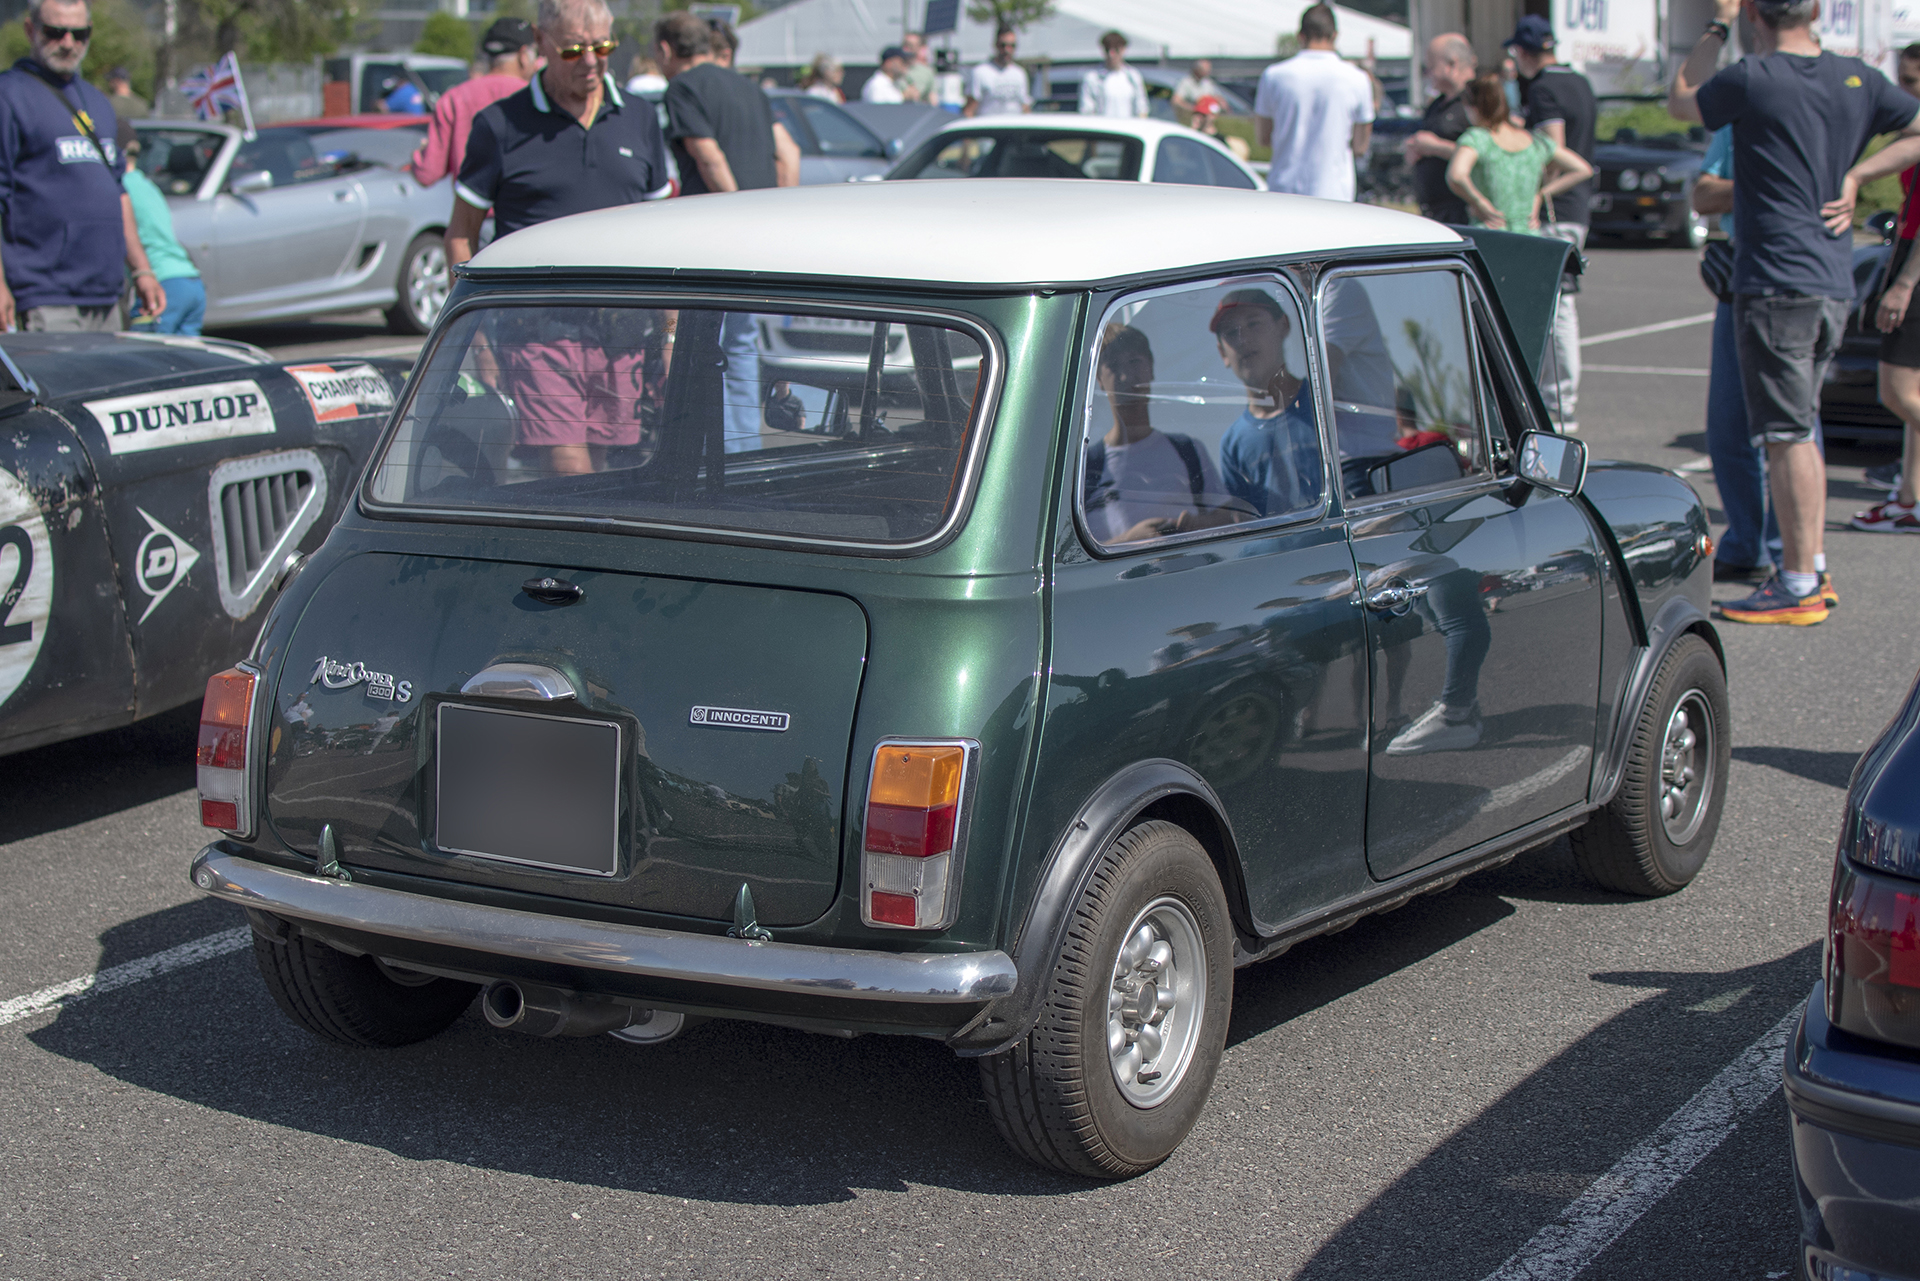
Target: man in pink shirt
[[513, 47]]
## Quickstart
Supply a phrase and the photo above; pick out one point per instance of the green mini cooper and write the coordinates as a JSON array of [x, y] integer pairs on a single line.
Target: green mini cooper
[[993, 615]]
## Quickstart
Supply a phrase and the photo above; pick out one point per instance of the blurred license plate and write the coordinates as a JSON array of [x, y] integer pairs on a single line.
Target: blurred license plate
[[528, 789]]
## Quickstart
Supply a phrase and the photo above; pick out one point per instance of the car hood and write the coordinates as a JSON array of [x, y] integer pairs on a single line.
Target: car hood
[[65, 365], [1622, 155]]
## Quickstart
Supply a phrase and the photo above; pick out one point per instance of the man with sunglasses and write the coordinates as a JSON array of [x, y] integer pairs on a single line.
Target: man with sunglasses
[[66, 228], [999, 88]]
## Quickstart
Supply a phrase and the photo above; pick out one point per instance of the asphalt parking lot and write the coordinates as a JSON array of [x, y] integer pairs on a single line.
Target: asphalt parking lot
[[1518, 1077]]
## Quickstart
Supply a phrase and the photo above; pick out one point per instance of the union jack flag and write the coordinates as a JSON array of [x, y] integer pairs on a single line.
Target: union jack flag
[[216, 89]]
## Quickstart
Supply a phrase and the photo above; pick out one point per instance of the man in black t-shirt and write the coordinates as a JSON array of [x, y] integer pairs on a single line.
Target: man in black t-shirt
[[1450, 68], [1559, 103], [720, 124]]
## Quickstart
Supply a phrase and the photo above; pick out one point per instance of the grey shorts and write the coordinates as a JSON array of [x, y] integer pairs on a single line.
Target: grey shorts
[[1786, 342], [72, 320]]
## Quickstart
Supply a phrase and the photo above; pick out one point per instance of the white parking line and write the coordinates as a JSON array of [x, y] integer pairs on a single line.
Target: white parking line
[[147, 967], [1640, 330], [1644, 369], [1617, 1198]]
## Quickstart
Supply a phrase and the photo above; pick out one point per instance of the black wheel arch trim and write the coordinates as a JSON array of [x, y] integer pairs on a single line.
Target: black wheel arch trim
[[1678, 617]]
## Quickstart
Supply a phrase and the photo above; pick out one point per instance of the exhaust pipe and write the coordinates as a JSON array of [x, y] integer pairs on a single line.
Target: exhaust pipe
[[553, 1011]]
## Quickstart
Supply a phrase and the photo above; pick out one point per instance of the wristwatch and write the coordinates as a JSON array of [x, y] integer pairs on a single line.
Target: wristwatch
[[1718, 28]]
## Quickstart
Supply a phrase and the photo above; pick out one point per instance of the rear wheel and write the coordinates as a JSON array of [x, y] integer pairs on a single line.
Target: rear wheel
[[423, 284], [357, 1000], [1653, 836], [1118, 1067]]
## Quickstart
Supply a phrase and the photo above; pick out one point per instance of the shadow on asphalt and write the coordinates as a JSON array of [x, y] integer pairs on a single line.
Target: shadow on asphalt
[[88, 778], [1488, 1187], [730, 1111], [1831, 768]]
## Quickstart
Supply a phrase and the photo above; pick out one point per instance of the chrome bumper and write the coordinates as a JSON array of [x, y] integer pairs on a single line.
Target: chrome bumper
[[923, 978]]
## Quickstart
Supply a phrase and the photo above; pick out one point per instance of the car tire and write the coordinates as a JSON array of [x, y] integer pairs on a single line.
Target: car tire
[[356, 1000], [422, 284], [1652, 838], [1057, 1095]]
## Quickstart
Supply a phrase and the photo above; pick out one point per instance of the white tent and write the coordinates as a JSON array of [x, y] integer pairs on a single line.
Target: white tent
[[854, 31]]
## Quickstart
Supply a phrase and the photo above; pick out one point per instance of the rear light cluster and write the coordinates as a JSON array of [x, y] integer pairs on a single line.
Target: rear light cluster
[[226, 719], [1873, 936], [915, 833]]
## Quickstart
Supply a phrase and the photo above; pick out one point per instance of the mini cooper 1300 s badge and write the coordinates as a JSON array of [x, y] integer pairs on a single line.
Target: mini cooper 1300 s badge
[[335, 674], [739, 718]]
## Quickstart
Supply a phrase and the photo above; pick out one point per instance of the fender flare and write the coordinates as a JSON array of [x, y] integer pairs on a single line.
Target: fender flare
[[1678, 617], [1110, 810]]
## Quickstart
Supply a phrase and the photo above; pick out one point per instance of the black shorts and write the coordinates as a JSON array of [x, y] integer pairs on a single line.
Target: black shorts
[[1902, 346]]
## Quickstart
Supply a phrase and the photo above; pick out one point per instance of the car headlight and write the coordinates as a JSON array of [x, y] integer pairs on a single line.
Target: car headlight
[[1628, 180]]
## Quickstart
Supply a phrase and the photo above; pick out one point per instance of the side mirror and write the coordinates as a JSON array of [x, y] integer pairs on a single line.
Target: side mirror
[[894, 147], [247, 184], [1554, 463]]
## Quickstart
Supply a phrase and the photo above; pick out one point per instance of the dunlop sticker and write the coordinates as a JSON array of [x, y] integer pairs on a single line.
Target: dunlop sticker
[[183, 416], [343, 391]]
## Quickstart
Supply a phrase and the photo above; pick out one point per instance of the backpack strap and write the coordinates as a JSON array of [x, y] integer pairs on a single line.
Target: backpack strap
[[1096, 465], [1190, 455], [81, 119]]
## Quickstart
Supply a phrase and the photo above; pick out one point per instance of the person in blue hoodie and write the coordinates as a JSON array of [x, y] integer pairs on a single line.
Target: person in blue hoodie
[[67, 234]]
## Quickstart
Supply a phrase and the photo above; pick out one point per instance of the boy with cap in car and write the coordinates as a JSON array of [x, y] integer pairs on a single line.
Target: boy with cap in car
[[514, 55]]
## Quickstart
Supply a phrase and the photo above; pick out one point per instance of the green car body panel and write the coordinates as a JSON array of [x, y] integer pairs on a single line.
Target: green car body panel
[[1237, 682]]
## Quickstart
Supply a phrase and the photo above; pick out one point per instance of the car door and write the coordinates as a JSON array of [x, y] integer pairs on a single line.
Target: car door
[[1235, 648], [1482, 595], [290, 241]]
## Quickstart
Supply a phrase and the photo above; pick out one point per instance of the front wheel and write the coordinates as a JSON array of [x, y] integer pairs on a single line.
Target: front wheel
[[1118, 1067], [423, 284], [1653, 836]]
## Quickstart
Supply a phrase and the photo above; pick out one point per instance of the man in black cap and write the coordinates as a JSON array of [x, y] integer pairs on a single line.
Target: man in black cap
[[1559, 103], [512, 45]]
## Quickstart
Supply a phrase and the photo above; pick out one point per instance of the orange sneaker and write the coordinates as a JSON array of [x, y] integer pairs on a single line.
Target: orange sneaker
[[1773, 603]]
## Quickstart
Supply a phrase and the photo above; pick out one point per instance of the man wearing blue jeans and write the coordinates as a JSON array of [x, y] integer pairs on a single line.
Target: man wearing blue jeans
[[1748, 549]]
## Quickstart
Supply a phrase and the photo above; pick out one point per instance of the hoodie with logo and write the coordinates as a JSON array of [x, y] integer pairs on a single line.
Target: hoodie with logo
[[62, 242]]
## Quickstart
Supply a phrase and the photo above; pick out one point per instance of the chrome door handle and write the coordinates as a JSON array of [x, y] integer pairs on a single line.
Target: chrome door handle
[[1396, 598]]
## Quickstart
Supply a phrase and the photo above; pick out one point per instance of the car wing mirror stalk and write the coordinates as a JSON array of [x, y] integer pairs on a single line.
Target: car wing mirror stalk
[[1552, 462]]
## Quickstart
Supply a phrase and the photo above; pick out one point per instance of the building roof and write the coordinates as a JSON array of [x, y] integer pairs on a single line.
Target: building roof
[[988, 231], [854, 31]]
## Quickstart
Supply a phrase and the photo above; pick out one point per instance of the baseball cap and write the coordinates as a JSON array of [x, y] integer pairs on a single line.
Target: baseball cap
[[1245, 298], [505, 36], [892, 51], [1534, 34], [1208, 105]]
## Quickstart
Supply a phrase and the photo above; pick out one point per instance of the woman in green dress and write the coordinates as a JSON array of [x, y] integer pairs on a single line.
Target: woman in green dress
[[1503, 172]]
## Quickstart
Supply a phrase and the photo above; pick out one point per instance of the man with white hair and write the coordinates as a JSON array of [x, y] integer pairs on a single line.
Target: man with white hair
[[67, 232]]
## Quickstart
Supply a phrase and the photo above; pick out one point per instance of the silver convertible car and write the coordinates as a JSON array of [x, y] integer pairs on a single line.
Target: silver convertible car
[[303, 220]]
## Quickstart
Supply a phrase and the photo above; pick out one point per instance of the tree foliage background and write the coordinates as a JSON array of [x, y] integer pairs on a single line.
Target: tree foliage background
[[1018, 14]]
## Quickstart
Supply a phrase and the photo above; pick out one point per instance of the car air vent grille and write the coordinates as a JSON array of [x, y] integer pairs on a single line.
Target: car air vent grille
[[261, 508]]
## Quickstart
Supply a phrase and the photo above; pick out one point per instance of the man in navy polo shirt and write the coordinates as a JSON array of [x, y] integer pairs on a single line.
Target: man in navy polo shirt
[[568, 143], [66, 227]]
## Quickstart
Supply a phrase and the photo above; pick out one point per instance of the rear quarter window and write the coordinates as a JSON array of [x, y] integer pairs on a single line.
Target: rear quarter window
[[853, 427]]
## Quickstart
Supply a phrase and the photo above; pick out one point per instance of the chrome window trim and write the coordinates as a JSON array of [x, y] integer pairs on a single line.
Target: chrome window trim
[[985, 406], [1084, 420], [1374, 505]]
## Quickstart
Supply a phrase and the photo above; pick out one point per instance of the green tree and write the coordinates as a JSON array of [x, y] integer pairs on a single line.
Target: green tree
[[446, 35], [119, 40], [1018, 14], [276, 30]]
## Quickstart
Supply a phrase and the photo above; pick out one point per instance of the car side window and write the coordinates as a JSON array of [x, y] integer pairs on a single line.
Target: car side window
[[839, 133], [1200, 414], [177, 160], [1182, 160], [286, 155], [1400, 371], [1228, 174], [785, 113]]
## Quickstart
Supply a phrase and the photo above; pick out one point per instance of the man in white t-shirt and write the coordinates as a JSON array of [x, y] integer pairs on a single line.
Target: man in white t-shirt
[[999, 88], [1316, 112], [1115, 89], [884, 84], [1142, 483]]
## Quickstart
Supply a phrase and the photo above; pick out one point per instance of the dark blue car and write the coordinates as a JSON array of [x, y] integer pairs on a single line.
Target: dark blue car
[[1853, 1068]]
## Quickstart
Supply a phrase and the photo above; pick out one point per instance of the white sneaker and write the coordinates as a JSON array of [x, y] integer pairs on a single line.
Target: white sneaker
[[1436, 731]]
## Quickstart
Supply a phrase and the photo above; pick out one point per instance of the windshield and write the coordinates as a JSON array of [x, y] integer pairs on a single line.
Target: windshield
[[439, 79], [178, 159], [1025, 153], [851, 428]]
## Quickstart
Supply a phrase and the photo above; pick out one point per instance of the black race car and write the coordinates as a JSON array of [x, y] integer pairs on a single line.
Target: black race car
[[153, 492], [1644, 189]]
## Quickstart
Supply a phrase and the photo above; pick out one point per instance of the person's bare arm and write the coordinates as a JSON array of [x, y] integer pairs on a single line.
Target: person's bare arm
[[1460, 179], [1263, 130], [1902, 153], [1898, 295], [712, 163], [153, 298], [786, 157], [1683, 98], [1712, 195], [1556, 132], [9, 318], [972, 108], [1425, 144], [1362, 137], [1573, 170], [463, 231]]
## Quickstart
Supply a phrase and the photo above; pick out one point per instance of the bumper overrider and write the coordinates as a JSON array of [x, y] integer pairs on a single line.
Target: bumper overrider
[[1856, 1151], [803, 985]]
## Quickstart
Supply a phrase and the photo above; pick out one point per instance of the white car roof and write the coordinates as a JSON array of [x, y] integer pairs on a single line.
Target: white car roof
[[995, 231], [1145, 128]]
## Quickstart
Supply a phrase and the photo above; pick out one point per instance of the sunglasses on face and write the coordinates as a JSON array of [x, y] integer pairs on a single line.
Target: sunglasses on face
[[54, 35], [600, 48]]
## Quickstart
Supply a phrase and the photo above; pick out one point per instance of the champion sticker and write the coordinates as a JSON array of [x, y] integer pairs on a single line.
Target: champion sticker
[[161, 563], [739, 718], [26, 583], [159, 420], [343, 391]]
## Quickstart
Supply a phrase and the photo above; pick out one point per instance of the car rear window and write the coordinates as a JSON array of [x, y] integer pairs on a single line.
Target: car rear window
[[1026, 153], [848, 427]]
